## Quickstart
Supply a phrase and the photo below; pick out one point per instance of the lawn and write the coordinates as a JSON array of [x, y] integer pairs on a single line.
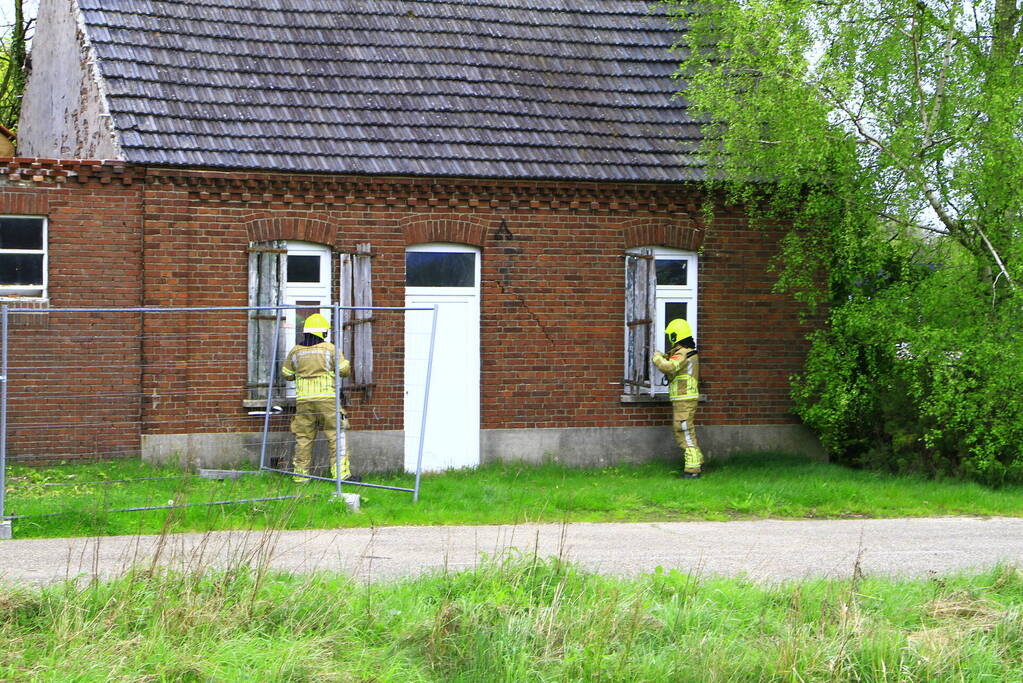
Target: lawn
[[65, 500], [525, 619]]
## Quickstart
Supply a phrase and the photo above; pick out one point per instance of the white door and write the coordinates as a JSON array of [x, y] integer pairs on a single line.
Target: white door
[[446, 276]]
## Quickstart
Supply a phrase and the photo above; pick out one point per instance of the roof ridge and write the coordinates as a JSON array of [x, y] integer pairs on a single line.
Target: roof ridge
[[573, 8]]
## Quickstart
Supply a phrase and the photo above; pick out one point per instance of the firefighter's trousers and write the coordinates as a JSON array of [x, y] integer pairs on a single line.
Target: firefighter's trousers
[[682, 423], [310, 418]]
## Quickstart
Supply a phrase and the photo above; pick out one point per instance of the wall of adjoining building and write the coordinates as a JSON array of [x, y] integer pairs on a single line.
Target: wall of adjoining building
[[64, 112]]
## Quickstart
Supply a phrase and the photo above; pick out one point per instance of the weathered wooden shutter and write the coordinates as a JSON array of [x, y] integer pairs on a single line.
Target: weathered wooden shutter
[[268, 271], [357, 325], [640, 314]]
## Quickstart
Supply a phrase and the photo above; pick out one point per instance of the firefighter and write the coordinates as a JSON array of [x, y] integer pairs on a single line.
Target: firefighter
[[311, 366], [682, 370]]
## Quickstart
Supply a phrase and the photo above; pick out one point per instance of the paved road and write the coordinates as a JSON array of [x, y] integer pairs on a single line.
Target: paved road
[[765, 551]]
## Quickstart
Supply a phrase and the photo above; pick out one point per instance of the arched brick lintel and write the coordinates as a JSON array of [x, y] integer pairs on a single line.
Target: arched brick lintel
[[663, 233], [27, 203], [434, 228], [289, 228]]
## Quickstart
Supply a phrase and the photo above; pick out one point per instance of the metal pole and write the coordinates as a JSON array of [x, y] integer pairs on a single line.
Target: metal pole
[[339, 429], [426, 403], [170, 309], [270, 389], [3, 411]]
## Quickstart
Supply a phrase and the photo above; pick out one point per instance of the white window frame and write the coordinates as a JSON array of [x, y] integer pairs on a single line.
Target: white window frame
[[269, 286], [30, 291], [664, 294], [448, 248], [686, 294], [303, 291], [294, 292]]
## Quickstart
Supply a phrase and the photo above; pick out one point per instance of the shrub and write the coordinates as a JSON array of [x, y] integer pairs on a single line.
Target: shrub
[[921, 373]]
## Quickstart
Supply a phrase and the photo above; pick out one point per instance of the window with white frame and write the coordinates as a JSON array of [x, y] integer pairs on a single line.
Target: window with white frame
[[300, 274], [307, 285], [23, 256], [660, 285]]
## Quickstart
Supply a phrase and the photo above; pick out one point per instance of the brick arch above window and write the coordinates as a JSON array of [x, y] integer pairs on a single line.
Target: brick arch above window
[[292, 229], [457, 229], [664, 232], [14, 202]]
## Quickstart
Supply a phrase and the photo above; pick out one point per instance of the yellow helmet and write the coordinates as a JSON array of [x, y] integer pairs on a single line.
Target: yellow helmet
[[677, 330], [316, 324]]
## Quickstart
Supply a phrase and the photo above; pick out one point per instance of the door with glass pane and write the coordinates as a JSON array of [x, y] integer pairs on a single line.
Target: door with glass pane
[[446, 276]]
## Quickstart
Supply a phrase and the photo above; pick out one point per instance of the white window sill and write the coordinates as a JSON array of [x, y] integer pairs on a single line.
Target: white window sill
[[31, 301], [260, 403]]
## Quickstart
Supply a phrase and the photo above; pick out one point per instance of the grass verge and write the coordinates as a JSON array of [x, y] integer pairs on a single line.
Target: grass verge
[[745, 487], [522, 619]]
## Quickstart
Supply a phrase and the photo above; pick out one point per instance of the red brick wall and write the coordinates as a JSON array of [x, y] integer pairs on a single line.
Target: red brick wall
[[74, 377], [552, 294]]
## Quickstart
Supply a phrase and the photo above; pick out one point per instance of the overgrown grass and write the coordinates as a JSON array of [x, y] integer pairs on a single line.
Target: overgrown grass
[[522, 619], [745, 487]]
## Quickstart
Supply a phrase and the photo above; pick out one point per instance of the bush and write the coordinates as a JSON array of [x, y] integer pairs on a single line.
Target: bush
[[920, 372]]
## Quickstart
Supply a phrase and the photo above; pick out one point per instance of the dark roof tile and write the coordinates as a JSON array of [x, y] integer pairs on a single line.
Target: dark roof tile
[[574, 89]]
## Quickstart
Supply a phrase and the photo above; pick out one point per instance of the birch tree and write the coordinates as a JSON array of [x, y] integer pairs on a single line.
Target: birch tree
[[890, 134]]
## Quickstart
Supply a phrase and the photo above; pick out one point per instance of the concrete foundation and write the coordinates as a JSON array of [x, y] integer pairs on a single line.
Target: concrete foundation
[[383, 451], [380, 451], [606, 446], [5, 530]]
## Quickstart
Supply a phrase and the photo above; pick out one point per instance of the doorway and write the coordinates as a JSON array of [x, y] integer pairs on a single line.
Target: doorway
[[446, 276]]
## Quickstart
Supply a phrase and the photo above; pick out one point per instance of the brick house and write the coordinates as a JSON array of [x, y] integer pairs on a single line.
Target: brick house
[[523, 168]]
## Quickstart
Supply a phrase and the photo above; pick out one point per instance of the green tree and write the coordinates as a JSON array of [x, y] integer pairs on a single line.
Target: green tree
[[890, 134], [13, 58]]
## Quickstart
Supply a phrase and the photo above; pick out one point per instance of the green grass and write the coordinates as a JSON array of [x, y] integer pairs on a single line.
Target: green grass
[[524, 619], [745, 487]]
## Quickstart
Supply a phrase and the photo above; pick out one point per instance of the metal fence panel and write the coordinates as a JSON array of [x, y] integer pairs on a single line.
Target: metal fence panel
[[96, 383]]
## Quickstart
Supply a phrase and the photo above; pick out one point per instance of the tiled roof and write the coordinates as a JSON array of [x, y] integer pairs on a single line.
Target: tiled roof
[[574, 89]]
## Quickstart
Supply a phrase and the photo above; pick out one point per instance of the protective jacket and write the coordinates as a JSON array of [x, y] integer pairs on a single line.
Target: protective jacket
[[682, 368], [312, 369]]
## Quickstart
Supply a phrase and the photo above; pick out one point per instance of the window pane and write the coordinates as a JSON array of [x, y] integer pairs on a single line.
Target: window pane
[[672, 271], [301, 314], [21, 269], [440, 269], [303, 268], [672, 310], [21, 233]]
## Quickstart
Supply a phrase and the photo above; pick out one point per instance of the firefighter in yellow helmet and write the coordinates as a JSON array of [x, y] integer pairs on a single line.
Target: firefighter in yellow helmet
[[682, 369], [311, 366]]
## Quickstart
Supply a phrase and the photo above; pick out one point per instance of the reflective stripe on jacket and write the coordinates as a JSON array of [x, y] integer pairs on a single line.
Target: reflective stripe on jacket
[[312, 369], [682, 368]]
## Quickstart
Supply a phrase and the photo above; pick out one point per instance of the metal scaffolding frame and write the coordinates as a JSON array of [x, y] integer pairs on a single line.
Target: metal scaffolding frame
[[340, 441]]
